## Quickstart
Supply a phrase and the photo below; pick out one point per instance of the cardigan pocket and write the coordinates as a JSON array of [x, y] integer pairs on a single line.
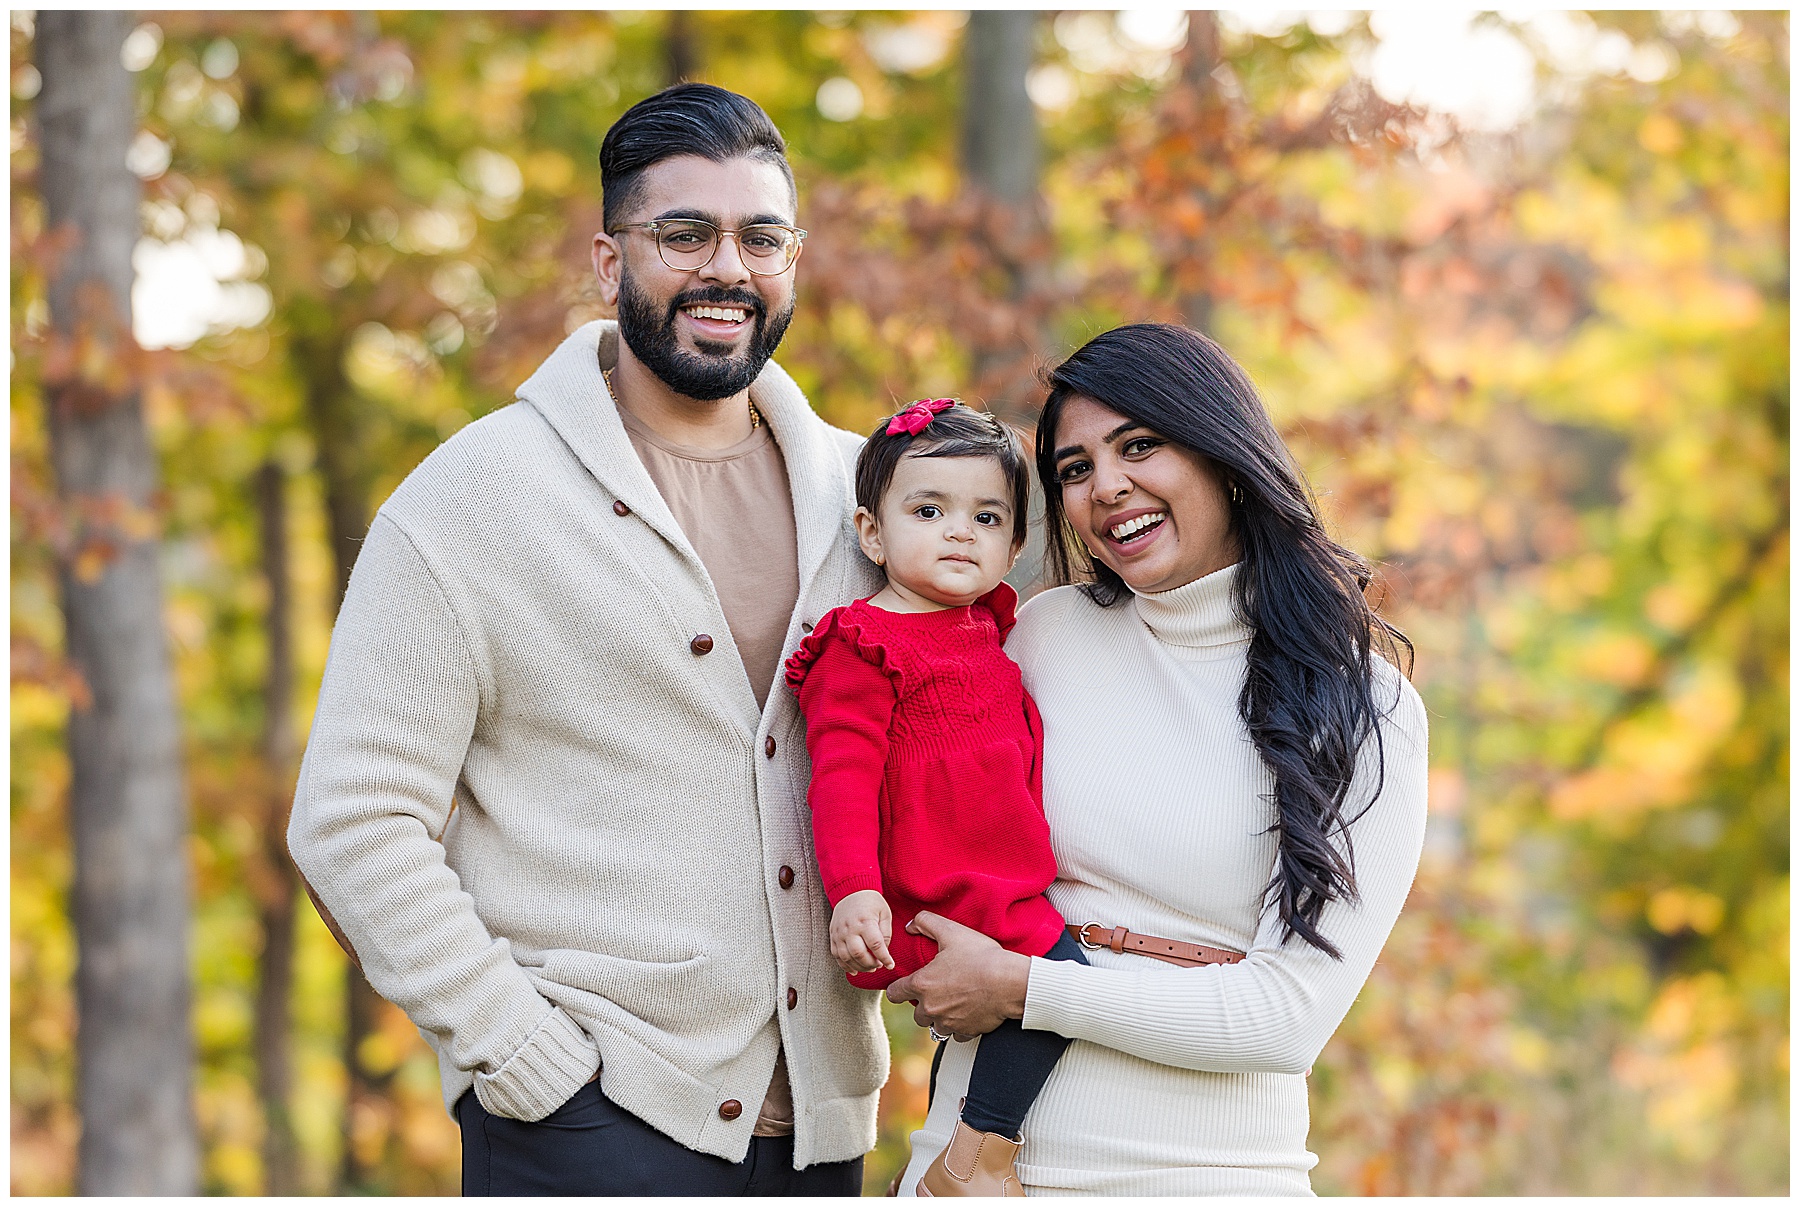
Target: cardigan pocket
[[663, 995]]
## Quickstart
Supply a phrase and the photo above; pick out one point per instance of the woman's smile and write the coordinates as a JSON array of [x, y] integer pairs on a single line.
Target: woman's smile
[[1135, 530]]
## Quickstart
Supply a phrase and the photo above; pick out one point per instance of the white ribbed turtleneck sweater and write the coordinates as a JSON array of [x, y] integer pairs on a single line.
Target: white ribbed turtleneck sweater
[[1182, 1081]]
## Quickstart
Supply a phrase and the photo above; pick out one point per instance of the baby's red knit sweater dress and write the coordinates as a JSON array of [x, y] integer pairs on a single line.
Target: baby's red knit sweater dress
[[928, 765]]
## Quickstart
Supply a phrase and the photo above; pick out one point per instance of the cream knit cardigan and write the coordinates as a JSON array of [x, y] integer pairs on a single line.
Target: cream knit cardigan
[[1182, 1081], [552, 831]]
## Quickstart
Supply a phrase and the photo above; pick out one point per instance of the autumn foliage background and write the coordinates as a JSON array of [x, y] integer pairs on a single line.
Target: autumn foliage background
[[1541, 375]]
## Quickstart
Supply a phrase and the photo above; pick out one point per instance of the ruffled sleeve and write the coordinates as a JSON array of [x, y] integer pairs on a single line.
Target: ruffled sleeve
[[1003, 602], [848, 704], [855, 628]]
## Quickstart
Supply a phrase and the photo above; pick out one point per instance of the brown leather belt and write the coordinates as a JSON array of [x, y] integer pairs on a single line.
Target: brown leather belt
[[1094, 936]]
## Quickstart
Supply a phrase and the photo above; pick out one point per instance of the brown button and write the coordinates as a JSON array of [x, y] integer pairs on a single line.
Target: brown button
[[806, 626], [701, 644], [731, 1108], [793, 997], [621, 507], [785, 877], [769, 747]]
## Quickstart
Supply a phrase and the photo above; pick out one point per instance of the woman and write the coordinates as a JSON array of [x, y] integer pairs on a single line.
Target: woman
[[1232, 765]]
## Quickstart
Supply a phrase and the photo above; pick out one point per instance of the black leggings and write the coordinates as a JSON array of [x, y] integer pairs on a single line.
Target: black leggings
[[1012, 1065]]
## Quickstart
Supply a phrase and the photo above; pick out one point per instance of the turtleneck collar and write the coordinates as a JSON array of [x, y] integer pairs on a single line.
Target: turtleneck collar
[[1196, 616]]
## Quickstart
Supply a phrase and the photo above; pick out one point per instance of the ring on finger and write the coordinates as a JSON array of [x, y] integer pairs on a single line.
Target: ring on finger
[[937, 1035]]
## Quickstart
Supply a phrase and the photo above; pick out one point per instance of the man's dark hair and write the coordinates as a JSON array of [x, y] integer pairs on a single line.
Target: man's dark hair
[[960, 431], [686, 119]]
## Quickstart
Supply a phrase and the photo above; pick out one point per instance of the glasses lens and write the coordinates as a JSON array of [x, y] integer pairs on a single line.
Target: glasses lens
[[767, 249], [686, 244]]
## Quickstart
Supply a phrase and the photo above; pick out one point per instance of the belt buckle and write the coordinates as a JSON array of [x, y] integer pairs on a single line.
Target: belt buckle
[[1081, 937]]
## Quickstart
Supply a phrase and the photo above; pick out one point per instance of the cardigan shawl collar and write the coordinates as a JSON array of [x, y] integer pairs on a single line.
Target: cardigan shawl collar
[[569, 391]]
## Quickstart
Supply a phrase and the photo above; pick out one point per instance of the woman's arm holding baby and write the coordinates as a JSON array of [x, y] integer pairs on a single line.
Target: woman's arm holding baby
[[1271, 1012]]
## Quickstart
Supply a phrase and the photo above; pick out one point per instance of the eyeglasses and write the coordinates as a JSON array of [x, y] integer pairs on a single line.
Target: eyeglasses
[[768, 249]]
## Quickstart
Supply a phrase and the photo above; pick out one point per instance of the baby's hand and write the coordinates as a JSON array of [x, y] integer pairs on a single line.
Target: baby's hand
[[862, 926]]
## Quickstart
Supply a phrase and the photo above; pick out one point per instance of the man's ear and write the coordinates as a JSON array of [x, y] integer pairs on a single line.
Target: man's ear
[[868, 535], [609, 264]]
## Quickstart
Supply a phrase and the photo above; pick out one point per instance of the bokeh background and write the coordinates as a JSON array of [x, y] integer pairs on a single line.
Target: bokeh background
[[1515, 287]]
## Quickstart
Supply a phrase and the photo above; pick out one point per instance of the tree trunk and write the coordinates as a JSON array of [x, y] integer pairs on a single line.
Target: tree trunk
[[279, 882], [1198, 62], [1000, 171], [1001, 167], [333, 413], [337, 438], [681, 47], [1000, 130], [134, 1049]]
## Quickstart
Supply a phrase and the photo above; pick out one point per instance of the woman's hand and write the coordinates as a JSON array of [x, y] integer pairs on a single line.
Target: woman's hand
[[971, 987]]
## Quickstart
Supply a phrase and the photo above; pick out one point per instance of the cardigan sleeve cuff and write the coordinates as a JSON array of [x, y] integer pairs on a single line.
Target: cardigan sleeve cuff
[[544, 1073], [854, 882]]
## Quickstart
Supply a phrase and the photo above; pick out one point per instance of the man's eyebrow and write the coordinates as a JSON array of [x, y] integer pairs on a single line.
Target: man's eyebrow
[[687, 212], [1071, 449], [709, 216]]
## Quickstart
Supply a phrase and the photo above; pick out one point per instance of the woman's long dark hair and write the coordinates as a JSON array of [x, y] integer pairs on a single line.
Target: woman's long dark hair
[[1308, 697]]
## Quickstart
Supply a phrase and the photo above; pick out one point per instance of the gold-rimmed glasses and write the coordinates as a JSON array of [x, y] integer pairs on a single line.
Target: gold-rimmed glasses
[[767, 249]]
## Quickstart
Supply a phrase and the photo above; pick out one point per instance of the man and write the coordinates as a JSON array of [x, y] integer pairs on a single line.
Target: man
[[554, 796]]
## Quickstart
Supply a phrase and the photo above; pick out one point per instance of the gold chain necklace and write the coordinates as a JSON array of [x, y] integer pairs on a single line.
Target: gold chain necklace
[[755, 415]]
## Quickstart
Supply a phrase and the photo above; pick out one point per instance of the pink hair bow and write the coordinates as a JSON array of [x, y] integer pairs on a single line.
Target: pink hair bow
[[917, 417]]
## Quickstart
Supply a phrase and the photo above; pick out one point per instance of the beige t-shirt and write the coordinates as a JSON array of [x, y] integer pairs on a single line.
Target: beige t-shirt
[[737, 511], [735, 506]]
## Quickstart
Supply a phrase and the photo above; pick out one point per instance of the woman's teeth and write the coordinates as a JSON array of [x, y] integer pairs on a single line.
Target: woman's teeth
[[1131, 528], [723, 314]]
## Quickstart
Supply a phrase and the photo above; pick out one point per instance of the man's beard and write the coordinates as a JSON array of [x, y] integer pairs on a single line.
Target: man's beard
[[712, 372]]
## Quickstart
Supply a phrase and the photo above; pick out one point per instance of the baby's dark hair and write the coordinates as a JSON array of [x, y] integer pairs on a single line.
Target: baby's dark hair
[[959, 431]]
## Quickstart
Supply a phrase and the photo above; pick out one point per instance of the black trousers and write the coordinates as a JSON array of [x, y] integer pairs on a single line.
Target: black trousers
[[1012, 1065], [591, 1146]]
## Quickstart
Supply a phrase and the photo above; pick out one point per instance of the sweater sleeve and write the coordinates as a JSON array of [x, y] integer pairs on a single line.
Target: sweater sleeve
[[1274, 1011], [849, 704], [396, 711]]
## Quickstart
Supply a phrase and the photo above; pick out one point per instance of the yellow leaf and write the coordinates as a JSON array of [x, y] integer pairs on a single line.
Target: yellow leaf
[[1617, 658], [1660, 135]]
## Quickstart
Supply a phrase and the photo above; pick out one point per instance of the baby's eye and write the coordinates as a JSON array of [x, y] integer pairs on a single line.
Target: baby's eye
[[929, 512], [987, 518]]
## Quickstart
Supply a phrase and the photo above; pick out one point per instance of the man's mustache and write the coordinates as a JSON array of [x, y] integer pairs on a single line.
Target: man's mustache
[[717, 295]]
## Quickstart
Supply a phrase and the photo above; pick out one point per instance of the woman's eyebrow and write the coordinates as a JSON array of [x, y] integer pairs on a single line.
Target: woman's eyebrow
[[1072, 449]]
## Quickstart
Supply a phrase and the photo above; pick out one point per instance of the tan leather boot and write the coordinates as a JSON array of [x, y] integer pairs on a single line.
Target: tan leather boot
[[974, 1165]]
